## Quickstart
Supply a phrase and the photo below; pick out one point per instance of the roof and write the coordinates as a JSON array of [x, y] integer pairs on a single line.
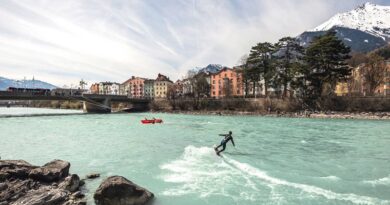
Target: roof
[[222, 70], [133, 78], [161, 77]]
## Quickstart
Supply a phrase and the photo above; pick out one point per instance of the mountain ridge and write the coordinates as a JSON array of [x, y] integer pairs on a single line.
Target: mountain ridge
[[6, 82], [370, 18]]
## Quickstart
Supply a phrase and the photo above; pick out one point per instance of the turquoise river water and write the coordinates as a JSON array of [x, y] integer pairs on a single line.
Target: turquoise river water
[[275, 161]]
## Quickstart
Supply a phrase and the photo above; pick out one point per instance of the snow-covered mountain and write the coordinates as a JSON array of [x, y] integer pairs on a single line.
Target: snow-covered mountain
[[5, 83], [363, 29], [370, 18], [211, 68]]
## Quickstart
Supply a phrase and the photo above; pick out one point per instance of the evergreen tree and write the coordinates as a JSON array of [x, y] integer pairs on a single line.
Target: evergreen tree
[[260, 64], [326, 63], [289, 55]]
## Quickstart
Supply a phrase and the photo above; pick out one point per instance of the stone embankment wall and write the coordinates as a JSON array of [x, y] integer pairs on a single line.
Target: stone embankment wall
[[341, 104]]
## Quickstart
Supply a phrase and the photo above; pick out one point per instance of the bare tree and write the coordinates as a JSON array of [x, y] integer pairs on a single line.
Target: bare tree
[[374, 72]]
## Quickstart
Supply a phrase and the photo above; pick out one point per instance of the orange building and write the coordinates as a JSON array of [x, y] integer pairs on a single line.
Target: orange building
[[94, 88], [134, 87], [226, 83]]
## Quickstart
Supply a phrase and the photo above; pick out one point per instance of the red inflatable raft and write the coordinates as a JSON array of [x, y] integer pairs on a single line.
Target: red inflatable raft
[[151, 121]]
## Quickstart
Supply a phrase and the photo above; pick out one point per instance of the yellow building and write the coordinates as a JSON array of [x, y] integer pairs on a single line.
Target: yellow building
[[341, 89], [161, 85]]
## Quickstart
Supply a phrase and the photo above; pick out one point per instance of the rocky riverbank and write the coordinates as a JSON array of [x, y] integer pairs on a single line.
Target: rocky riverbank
[[51, 184], [301, 114], [23, 183]]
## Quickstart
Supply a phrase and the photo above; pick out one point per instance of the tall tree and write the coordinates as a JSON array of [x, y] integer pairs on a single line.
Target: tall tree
[[243, 64], [260, 64], [326, 63], [82, 84], [202, 87], [373, 72], [288, 55]]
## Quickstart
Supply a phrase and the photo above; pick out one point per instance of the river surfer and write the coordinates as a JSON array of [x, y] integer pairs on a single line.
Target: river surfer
[[226, 139]]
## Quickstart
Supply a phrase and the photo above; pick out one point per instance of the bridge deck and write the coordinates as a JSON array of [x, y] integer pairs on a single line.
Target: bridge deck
[[5, 95]]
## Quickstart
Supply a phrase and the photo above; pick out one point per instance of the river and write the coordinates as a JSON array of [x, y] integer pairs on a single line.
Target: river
[[275, 161]]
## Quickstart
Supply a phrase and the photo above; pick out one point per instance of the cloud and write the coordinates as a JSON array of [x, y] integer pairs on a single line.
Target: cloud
[[64, 41]]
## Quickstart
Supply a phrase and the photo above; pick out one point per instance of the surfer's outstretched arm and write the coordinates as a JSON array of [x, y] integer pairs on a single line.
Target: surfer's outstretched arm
[[233, 142]]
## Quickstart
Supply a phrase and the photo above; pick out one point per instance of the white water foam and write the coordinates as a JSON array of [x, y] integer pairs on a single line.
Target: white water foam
[[385, 181], [331, 178], [199, 171], [356, 199]]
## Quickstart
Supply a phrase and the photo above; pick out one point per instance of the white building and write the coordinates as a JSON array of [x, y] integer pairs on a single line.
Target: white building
[[108, 88]]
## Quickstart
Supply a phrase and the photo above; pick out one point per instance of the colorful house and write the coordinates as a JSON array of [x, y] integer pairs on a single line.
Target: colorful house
[[149, 88], [109, 88], [134, 87], [161, 85], [94, 89], [226, 83]]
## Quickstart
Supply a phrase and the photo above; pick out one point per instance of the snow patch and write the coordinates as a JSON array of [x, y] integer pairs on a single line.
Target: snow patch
[[370, 18], [348, 39]]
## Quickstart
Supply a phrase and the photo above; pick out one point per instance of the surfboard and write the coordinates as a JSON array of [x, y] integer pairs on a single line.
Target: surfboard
[[216, 150]]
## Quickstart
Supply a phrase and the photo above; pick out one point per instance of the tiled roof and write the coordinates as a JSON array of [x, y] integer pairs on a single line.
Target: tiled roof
[[161, 77]]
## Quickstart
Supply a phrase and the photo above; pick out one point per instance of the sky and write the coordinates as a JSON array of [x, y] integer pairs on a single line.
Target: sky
[[61, 42]]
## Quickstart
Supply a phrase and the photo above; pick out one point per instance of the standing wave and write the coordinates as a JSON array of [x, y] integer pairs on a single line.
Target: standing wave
[[199, 171]]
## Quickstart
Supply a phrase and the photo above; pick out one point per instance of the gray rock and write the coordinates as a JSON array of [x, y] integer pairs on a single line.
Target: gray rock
[[51, 172], [117, 190], [24, 184], [82, 183], [19, 169], [70, 183], [93, 176], [77, 195], [43, 197], [3, 186]]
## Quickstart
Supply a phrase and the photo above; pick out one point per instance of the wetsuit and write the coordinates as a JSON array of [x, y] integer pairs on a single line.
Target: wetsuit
[[225, 140]]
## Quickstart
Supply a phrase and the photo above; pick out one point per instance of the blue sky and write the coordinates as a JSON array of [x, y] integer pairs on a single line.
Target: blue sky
[[100, 40]]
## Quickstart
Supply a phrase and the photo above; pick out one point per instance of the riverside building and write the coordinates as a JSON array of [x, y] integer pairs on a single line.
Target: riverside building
[[226, 83], [161, 85]]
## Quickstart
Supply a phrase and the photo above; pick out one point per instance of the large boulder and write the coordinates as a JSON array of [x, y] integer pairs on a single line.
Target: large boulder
[[117, 190], [50, 172], [24, 184], [17, 169]]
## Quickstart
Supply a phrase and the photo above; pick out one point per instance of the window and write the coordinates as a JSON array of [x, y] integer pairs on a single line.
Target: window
[[213, 92], [225, 75], [231, 74]]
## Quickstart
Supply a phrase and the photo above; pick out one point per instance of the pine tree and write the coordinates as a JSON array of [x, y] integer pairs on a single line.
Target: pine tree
[[260, 64], [326, 63], [288, 55]]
